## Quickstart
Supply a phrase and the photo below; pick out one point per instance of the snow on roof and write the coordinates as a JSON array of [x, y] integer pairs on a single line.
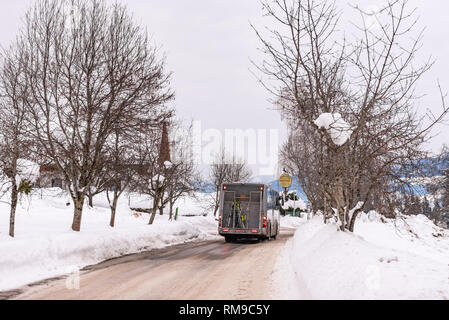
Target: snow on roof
[[339, 130]]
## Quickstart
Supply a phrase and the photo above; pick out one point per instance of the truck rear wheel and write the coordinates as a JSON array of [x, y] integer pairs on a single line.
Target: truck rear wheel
[[229, 239]]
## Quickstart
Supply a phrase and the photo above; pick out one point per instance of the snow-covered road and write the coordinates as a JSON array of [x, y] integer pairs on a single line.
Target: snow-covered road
[[196, 271]]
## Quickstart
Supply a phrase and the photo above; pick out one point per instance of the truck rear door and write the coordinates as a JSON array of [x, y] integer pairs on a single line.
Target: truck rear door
[[242, 207]]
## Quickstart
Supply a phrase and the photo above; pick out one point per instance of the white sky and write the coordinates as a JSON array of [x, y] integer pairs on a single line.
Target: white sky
[[209, 44]]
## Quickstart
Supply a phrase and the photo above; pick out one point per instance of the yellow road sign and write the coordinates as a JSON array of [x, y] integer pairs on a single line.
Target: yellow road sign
[[285, 181]]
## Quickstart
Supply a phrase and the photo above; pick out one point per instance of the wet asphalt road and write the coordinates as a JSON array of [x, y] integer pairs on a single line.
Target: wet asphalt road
[[195, 271]]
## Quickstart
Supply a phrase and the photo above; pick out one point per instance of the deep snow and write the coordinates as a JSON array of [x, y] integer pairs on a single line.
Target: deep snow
[[383, 259], [45, 246]]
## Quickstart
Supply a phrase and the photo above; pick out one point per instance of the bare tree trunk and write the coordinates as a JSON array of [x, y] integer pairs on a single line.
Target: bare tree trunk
[[172, 204], [91, 199], [309, 211], [113, 210], [12, 217], [341, 217], [161, 207], [339, 201], [325, 210], [155, 206], [79, 203], [353, 219]]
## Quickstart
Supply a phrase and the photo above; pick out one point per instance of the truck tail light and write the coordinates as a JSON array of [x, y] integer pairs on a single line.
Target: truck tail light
[[219, 221], [265, 222]]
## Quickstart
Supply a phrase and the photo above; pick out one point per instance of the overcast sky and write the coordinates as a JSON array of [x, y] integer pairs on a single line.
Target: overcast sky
[[209, 44]]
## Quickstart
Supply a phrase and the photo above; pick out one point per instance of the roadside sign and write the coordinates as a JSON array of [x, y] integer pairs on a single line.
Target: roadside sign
[[285, 181]]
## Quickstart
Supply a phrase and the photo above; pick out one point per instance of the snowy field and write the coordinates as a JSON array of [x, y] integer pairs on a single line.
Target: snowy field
[[45, 246], [384, 259]]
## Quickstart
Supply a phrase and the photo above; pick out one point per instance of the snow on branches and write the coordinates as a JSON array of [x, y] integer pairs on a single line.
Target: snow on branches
[[339, 130]]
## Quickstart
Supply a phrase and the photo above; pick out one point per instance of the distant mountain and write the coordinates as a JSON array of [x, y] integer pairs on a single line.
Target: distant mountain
[[271, 180], [430, 167], [206, 187]]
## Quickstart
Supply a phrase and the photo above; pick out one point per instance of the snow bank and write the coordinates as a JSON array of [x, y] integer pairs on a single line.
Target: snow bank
[[413, 234], [339, 130], [379, 261], [46, 247], [293, 222]]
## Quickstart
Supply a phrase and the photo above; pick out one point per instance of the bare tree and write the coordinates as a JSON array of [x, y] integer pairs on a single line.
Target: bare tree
[[368, 83], [129, 152], [97, 187], [439, 188], [226, 169], [218, 175], [238, 171], [303, 155], [122, 158], [153, 176], [166, 181], [14, 145], [185, 179], [90, 69]]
